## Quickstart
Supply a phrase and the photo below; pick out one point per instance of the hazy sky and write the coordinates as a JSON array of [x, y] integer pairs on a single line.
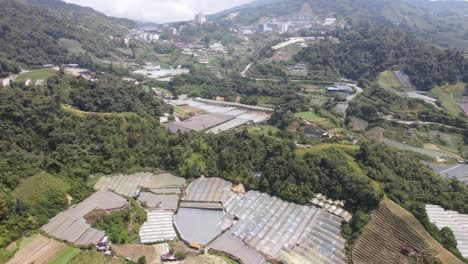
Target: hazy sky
[[158, 10]]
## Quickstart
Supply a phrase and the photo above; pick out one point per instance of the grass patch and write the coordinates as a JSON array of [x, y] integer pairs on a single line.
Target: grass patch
[[180, 112], [42, 74], [323, 123], [72, 46], [94, 257], [65, 256], [449, 95], [78, 112], [35, 187], [325, 146], [387, 80]]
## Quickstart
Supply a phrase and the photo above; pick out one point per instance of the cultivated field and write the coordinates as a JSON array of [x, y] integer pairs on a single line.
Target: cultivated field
[[94, 257], [65, 256], [390, 229], [153, 253], [42, 74], [387, 80], [206, 259], [38, 250], [33, 188]]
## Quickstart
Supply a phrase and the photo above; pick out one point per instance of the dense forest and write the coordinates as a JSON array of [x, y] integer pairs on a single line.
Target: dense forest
[[368, 49], [7, 68], [57, 34]]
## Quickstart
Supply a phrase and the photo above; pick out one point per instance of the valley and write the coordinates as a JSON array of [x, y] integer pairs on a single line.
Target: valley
[[298, 131]]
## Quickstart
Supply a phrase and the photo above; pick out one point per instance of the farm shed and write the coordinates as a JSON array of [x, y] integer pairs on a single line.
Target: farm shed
[[237, 122], [238, 249], [208, 190], [129, 185], [200, 123], [457, 222], [460, 171], [199, 225], [158, 227], [202, 205], [269, 224], [153, 201], [70, 225]]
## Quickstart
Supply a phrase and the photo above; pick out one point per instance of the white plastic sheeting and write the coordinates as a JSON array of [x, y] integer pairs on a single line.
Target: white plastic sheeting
[[158, 227], [270, 225], [457, 222]]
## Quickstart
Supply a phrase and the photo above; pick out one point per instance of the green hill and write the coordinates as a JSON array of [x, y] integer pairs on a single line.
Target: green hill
[[31, 32]]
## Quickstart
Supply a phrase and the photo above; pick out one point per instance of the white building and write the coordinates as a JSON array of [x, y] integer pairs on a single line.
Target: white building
[[200, 19]]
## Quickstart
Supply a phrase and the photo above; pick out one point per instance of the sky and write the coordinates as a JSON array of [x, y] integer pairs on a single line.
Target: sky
[[158, 11]]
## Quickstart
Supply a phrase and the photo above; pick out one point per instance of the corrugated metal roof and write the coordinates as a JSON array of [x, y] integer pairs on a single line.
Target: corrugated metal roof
[[202, 205], [128, 185], [70, 225], [209, 190], [238, 249], [152, 201], [199, 225], [158, 227]]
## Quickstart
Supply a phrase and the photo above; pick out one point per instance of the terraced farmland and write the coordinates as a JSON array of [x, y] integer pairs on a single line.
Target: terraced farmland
[[39, 250], [390, 229]]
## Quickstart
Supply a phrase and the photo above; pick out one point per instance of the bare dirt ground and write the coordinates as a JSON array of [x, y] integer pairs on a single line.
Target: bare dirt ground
[[153, 253], [38, 251], [182, 247], [205, 259], [358, 124]]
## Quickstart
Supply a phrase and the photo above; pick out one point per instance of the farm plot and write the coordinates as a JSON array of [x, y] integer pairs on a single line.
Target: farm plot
[[94, 257], [39, 250], [319, 121], [205, 259], [390, 229], [153, 253]]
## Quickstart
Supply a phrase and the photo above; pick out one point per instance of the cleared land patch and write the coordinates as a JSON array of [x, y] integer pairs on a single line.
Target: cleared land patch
[[449, 96], [94, 257], [323, 123], [387, 80], [33, 188], [390, 229], [38, 250], [42, 74], [153, 253]]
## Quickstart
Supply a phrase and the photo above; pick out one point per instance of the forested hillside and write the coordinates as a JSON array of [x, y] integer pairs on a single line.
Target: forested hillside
[[36, 35], [442, 22], [368, 49]]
